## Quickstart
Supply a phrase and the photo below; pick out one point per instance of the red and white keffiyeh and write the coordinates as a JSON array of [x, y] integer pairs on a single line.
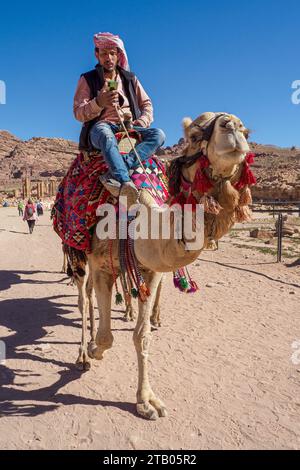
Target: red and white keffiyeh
[[107, 40]]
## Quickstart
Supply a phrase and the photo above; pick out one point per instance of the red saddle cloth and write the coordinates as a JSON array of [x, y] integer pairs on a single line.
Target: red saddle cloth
[[80, 194]]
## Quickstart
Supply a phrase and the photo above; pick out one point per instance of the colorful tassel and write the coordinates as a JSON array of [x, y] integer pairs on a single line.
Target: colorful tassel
[[182, 281], [119, 298], [194, 287], [134, 292], [184, 285]]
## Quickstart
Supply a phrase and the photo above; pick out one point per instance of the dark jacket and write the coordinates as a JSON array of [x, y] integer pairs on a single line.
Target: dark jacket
[[95, 80]]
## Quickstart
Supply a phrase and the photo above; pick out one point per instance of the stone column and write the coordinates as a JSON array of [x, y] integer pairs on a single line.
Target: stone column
[[27, 187], [52, 188]]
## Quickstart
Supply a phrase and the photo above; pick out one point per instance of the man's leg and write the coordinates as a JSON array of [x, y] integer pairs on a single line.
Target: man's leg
[[103, 138], [118, 182], [152, 140]]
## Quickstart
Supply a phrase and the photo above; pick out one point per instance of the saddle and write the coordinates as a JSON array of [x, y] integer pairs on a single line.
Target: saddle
[[80, 192]]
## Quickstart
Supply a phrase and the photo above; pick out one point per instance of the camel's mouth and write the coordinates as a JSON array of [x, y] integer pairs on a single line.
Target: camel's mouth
[[237, 153]]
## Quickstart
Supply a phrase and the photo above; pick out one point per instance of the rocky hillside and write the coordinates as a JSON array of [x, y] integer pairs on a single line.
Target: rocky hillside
[[39, 157], [277, 169]]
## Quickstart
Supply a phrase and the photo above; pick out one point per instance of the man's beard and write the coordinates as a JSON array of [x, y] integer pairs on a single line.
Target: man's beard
[[109, 70]]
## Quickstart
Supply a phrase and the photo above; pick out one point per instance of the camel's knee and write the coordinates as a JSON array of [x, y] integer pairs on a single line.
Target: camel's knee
[[142, 341], [105, 341]]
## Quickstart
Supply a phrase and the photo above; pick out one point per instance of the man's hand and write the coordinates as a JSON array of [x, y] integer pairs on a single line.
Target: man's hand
[[139, 123], [107, 98]]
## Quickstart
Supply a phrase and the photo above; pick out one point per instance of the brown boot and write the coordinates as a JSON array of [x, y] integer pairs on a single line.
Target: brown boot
[[129, 191]]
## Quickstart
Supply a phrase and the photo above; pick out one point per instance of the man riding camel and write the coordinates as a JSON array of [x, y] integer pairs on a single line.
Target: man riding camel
[[100, 110]]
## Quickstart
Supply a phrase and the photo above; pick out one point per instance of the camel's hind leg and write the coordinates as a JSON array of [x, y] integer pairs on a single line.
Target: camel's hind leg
[[90, 297], [83, 362], [129, 314], [103, 284], [148, 405], [155, 316], [64, 265]]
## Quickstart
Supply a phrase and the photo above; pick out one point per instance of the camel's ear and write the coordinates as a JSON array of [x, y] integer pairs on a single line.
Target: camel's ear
[[186, 122], [247, 133]]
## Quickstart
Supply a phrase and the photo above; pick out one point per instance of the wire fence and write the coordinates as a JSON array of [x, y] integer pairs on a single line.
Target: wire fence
[[277, 208]]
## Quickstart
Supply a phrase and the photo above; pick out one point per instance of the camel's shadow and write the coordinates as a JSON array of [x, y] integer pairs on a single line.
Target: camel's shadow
[[47, 398], [9, 278], [28, 320]]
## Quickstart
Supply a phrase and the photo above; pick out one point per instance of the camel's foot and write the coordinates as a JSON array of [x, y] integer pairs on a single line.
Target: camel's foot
[[83, 362], [151, 408], [129, 315], [155, 318], [96, 350]]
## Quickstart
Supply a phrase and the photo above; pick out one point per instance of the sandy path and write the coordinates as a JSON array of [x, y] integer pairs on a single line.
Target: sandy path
[[221, 361]]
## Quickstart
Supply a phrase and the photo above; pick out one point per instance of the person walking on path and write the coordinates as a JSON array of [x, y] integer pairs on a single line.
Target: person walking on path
[[21, 208], [30, 215]]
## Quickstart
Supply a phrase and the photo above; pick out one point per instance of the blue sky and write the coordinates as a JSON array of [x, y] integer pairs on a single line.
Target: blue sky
[[191, 56]]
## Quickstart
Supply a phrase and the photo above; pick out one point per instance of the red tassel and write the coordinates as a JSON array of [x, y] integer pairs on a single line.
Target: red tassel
[[247, 178], [250, 158], [179, 199], [203, 161], [201, 182]]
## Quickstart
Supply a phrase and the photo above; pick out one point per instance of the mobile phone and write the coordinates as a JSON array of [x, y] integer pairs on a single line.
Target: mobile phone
[[112, 85]]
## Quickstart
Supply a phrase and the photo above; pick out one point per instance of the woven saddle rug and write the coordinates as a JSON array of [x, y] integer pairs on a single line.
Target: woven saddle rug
[[80, 193]]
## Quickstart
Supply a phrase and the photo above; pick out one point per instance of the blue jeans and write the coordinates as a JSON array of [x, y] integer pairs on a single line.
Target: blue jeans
[[102, 138]]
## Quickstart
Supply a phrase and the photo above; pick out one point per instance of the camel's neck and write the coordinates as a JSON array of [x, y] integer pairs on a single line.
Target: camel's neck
[[224, 171], [175, 244]]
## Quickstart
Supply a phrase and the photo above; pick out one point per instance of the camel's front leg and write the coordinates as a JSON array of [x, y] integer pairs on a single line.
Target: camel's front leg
[[103, 284], [148, 405], [83, 362]]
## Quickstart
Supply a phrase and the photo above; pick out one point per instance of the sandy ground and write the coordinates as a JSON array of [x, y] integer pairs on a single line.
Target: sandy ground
[[221, 360]]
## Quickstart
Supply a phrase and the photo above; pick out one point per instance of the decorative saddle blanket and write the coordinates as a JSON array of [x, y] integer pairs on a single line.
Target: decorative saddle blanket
[[80, 194]]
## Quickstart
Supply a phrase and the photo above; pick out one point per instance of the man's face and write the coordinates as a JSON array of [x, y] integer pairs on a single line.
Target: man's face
[[108, 58]]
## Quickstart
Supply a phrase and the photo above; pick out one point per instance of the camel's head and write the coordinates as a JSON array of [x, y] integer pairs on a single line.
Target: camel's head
[[221, 136]]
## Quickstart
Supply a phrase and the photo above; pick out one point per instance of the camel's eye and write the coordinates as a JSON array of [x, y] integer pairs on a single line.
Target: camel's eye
[[223, 124]]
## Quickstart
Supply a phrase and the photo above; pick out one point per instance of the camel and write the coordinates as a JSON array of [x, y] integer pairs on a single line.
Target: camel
[[222, 138]]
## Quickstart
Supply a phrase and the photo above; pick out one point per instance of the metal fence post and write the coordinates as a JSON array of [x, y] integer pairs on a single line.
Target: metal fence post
[[279, 237]]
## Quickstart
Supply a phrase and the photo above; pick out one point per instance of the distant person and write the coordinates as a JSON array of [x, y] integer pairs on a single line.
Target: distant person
[[39, 208], [21, 208], [30, 215]]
